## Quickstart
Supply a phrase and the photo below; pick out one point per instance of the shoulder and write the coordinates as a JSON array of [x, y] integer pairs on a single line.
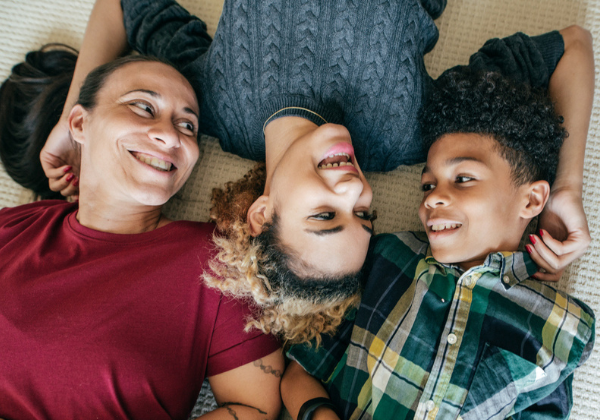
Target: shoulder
[[48, 209], [398, 246]]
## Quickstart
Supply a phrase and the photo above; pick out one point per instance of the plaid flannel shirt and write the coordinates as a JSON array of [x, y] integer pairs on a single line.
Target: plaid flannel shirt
[[430, 341]]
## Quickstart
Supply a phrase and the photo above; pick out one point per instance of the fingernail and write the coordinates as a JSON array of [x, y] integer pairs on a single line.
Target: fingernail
[[541, 232], [532, 239], [67, 169], [528, 248], [76, 182], [70, 177]]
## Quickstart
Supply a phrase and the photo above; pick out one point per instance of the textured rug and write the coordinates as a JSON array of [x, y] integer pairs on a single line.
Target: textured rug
[[464, 26]]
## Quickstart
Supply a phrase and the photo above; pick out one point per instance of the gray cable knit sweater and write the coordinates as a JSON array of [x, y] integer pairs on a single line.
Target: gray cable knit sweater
[[354, 62]]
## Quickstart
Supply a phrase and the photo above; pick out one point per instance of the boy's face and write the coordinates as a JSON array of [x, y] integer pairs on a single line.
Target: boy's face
[[470, 206]]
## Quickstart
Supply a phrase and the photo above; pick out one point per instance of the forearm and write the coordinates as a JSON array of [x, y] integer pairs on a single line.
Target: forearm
[[104, 40], [235, 411], [297, 387], [572, 89]]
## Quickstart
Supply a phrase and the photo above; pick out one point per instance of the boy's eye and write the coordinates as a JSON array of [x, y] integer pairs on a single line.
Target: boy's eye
[[427, 187], [326, 215], [462, 179]]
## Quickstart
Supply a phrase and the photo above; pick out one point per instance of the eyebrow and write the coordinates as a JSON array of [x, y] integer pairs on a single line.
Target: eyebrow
[[336, 230], [454, 161], [157, 95]]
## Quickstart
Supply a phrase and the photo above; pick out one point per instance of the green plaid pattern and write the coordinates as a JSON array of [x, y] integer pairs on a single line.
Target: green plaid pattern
[[430, 341]]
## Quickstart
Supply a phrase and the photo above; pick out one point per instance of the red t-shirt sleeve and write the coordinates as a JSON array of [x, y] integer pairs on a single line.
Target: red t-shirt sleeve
[[231, 346]]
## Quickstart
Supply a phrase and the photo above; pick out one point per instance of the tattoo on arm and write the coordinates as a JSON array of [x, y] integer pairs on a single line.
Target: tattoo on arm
[[268, 369], [231, 411]]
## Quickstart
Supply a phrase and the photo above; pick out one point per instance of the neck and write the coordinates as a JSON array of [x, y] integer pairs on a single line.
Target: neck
[[280, 134], [120, 218]]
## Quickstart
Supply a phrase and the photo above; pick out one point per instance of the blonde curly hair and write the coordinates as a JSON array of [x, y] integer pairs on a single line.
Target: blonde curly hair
[[259, 268]]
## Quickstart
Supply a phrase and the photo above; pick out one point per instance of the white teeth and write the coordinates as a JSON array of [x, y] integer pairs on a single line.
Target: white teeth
[[437, 228], [154, 162], [337, 164]]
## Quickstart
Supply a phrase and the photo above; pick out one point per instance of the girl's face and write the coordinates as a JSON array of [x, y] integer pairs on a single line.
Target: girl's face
[[322, 200], [139, 143]]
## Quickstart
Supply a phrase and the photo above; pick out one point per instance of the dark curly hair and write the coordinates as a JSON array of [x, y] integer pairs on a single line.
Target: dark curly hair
[[521, 119], [296, 307]]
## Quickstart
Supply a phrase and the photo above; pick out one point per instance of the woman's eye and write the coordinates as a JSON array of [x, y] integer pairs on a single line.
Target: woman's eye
[[144, 107], [427, 187], [462, 179], [326, 215], [187, 127]]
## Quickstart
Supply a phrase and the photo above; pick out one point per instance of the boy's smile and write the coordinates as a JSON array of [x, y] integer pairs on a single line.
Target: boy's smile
[[471, 205]]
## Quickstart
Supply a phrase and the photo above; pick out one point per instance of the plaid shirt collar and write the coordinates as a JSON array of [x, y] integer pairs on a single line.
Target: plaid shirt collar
[[511, 267]]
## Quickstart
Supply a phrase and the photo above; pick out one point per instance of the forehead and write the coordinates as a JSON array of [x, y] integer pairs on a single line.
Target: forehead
[[452, 149], [149, 76]]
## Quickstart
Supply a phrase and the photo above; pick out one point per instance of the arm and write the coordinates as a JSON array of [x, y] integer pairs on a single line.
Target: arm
[[297, 387], [250, 391], [564, 234], [104, 40]]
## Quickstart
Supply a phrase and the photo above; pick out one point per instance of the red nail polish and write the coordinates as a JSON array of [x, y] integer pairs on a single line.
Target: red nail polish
[[528, 248], [541, 232], [70, 177], [532, 239], [67, 169], [76, 182]]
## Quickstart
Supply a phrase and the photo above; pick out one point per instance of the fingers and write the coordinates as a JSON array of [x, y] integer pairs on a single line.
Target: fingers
[[56, 172], [67, 183], [576, 242], [548, 263], [552, 256]]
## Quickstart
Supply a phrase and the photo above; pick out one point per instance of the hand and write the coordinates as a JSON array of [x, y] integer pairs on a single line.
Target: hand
[[60, 158], [564, 234]]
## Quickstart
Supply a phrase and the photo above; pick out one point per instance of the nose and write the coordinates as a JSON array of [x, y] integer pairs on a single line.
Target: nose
[[164, 132], [354, 189], [437, 197]]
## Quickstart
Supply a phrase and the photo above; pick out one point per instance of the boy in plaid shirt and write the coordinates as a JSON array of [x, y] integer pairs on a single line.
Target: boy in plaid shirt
[[450, 324]]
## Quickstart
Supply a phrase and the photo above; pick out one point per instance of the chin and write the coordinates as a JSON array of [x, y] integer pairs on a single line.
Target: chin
[[152, 198]]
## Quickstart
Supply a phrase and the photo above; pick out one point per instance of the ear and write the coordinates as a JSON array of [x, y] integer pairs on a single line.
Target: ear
[[258, 215], [537, 194], [76, 122]]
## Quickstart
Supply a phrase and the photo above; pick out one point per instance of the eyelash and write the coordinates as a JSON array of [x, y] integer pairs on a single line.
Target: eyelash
[[147, 108], [331, 215], [464, 178]]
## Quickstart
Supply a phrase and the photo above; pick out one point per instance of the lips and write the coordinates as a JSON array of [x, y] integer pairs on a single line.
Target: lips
[[154, 162], [339, 156]]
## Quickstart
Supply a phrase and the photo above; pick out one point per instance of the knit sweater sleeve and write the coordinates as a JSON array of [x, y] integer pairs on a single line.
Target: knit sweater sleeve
[[164, 29], [526, 59]]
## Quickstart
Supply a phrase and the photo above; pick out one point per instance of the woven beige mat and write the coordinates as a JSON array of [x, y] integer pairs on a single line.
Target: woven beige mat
[[464, 26]]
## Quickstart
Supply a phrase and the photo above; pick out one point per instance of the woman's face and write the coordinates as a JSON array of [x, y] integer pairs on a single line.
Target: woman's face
[[140, 140], [323, 206]]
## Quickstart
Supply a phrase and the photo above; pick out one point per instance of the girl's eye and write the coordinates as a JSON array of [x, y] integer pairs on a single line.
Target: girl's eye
[[187, 127], [365, 215], [462, 179], [427, 187], [144, 107], [326, 215]]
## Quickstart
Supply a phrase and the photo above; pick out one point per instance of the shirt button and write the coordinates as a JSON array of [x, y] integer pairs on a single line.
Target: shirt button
[[505, 279], [451, 339], [468, 282], [430, 405]]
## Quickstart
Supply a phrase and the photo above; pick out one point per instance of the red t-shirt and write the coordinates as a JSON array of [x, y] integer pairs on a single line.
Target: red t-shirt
[[106, 326]]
